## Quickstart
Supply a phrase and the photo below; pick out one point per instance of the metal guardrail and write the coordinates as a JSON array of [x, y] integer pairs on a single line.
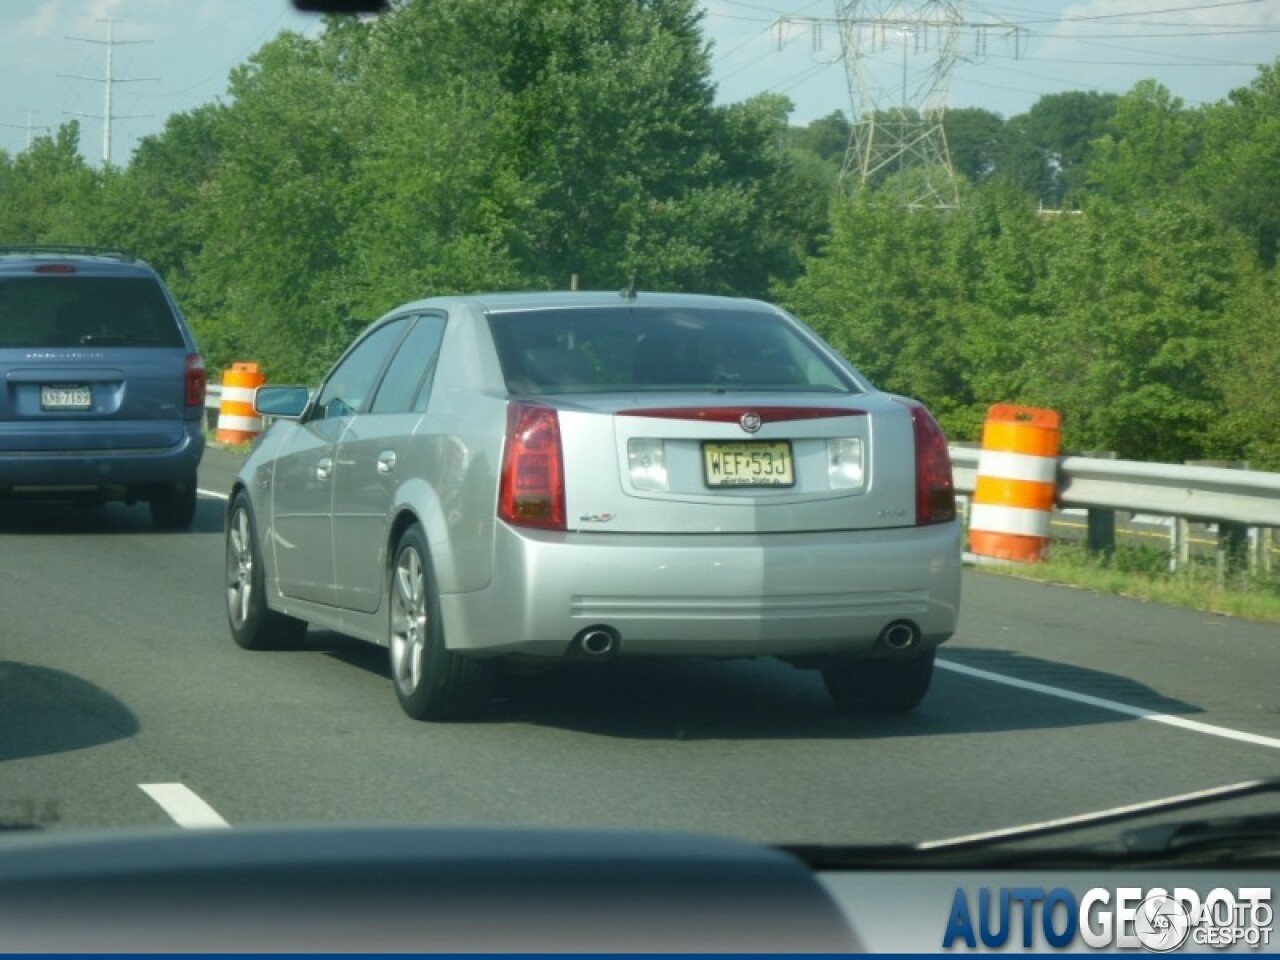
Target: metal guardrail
[[1249, 497], [1210, 494]]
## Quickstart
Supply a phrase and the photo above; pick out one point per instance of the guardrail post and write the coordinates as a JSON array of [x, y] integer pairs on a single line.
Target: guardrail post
[[1231, 553], [1179, 544], [1260, 555], [1100, 538]]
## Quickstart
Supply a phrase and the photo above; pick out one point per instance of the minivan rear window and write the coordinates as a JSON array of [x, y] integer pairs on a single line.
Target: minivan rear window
[[75, 311], [628, 349]]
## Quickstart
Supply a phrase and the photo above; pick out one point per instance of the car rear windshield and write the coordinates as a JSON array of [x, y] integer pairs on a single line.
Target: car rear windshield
[[610, 350], [74, 311]]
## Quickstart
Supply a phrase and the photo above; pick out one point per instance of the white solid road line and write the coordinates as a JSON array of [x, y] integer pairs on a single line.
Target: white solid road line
[[211, 493], [1208, 729], [182, 804]]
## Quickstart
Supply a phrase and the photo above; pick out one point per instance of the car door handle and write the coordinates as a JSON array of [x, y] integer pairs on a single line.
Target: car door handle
[[386, 461], [324, 469]]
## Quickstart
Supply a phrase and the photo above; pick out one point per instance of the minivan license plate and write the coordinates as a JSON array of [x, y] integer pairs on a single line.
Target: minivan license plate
[[750, 464], [61, 397]]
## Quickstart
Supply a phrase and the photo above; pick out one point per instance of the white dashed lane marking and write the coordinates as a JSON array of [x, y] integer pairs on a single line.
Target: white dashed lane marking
[[183, 805]]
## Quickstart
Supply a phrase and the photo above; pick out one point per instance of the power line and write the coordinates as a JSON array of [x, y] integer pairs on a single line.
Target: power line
[[1139, 13], [226, 68]]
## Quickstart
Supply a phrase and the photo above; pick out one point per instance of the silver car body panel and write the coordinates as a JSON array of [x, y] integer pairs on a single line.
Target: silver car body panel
[[787, 571]]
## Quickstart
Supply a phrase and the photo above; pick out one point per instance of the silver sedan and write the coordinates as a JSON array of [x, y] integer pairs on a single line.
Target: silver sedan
[[598, 475]]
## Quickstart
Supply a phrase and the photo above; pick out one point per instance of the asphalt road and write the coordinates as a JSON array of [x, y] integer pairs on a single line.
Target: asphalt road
[[117, 672]]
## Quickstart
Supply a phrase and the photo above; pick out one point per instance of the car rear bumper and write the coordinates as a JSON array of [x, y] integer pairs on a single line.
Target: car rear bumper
[[789, 595], [49, 471]]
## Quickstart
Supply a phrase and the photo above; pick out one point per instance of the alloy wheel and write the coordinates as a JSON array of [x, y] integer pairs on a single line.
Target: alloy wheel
[[409, 620]]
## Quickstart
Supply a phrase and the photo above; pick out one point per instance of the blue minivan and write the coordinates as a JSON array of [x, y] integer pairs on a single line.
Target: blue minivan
[[102, 389]]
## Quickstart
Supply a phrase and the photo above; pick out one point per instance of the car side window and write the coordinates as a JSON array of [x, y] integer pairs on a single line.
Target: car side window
[[352, 381], [407, 382]]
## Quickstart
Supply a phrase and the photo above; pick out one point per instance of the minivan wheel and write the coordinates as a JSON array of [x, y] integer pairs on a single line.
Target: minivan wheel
[[173, 506], [879, 686], [254, 626], [431, 681]]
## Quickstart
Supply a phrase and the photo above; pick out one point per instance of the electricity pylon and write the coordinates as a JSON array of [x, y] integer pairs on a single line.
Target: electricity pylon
[[109, 80], [899, 56]]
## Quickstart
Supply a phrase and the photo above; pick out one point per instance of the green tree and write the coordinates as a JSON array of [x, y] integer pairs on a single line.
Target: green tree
[[269, 278], [1148, 148], [931, 304], [826, 138], [1238, 168], [1045, 150], [48, 194], [1249, 426], [1140, 302], [149, 207], [973, 141]]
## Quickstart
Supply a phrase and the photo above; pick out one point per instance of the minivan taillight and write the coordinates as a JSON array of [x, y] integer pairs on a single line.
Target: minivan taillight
[[196, 380], [935, 488], [531, 492]]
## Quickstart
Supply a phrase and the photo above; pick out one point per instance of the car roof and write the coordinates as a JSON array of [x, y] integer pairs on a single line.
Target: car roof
[[88, 261], [491, 303]]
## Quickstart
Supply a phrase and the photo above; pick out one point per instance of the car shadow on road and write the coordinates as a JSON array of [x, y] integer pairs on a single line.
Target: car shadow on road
[[43, 518], [690, 699], [45, 711]]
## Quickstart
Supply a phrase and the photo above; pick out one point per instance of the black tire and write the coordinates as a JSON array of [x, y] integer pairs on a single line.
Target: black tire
[[879, 686], [431, 681], [173, 507], [254, 626]]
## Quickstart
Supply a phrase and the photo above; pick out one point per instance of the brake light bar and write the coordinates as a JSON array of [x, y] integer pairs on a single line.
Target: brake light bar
[[734, 414], [54, 268]]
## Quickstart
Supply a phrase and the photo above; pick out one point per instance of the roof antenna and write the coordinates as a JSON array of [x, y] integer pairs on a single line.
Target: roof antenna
[[630, 292]]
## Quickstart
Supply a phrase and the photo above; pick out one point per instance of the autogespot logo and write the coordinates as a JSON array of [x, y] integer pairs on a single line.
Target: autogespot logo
[[1126, 918], [1162, 923]]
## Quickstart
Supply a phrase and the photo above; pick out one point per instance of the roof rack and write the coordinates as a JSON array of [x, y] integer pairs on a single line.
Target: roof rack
[[112, 253]]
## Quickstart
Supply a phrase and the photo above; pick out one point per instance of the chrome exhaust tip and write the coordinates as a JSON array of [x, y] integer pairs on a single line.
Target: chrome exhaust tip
[[597, 642], [899, 636]]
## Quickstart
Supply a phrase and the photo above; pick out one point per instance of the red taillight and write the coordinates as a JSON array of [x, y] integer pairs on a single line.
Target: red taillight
[[55, 268], [935, 489], [531, 493], [196, 379]]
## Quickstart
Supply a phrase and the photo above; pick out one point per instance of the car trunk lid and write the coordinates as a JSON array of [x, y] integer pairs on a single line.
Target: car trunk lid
[[743, 464]]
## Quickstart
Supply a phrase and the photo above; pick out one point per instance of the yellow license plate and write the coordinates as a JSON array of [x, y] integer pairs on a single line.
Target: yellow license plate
[[753, 464]]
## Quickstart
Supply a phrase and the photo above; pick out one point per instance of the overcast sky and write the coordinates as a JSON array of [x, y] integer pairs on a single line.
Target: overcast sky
[[1006, 55]]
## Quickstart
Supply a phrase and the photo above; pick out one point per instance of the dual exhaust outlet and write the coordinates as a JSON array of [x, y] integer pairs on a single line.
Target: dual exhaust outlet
[[602, 642]]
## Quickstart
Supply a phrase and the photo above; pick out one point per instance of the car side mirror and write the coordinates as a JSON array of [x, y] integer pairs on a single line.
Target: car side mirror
[[285, 403]]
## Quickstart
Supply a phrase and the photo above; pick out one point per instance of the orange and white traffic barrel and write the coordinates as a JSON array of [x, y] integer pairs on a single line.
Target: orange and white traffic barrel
[[1017, 479], [237, 423]]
